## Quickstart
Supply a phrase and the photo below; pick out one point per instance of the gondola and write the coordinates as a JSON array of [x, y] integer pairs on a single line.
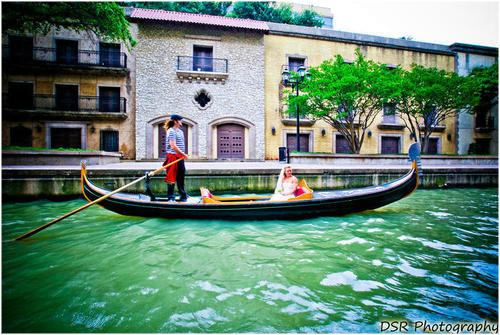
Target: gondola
[[306, 205]]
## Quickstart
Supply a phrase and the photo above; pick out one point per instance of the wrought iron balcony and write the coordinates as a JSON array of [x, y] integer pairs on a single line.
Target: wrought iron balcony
[[203, 64], [202, 69], [485, 124], [79, 104], [81, 57]]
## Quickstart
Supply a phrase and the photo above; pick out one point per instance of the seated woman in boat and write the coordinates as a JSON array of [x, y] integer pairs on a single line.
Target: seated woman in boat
[[286, 186]]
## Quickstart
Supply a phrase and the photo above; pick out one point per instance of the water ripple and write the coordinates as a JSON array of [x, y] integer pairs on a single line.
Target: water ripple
[[432, 256]]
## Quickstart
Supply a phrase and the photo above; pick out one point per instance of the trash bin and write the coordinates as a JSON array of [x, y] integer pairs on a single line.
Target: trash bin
[[283, 157]]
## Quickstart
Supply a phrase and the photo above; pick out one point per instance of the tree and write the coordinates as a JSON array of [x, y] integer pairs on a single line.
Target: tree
[[486, 83], [268, 11], [255, 10], [308, 18], [347, 96], [428, 96], [218, 8], [105, 19]]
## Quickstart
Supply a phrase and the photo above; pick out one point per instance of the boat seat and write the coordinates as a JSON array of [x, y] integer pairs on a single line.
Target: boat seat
[[303, 192], [207, 196]]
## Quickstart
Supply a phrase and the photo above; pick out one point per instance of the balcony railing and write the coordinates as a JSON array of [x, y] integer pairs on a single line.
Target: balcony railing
[[485, 122], [49, 102], [203, 64], [82, 57]]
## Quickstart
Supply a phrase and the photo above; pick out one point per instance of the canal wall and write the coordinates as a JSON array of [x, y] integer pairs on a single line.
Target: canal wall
[[26, 183]]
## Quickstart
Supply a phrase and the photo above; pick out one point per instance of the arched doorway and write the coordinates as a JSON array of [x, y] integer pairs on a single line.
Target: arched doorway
[[230, 141], [162, 140]]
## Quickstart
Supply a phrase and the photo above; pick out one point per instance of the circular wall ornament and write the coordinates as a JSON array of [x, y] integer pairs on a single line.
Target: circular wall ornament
[[202, 99]]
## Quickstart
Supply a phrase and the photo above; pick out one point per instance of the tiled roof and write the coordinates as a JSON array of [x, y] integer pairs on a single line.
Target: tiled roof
[[161, 15]]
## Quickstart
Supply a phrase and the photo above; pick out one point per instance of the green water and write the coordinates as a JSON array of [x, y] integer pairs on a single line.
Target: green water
[[432, 256]]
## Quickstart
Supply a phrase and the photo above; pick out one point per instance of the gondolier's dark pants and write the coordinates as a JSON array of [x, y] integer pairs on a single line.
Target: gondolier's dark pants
[[181, 173]]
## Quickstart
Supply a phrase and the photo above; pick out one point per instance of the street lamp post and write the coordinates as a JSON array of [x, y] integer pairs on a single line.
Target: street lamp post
[[295, 83]]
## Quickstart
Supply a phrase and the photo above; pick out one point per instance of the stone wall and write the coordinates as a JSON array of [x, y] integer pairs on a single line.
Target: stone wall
[[161, 93]]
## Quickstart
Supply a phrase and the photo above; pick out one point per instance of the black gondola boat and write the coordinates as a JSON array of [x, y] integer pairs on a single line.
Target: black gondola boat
[[310, 204]]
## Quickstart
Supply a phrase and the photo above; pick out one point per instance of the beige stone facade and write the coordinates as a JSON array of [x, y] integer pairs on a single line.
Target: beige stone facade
[[66, 89], [168, 83]]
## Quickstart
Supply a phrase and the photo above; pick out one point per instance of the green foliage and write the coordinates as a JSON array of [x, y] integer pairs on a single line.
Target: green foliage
[[308, 18], [485, 81], [15, 147], [347, 96], [218, 8], [428, 96], [255, 10], [105, 19]]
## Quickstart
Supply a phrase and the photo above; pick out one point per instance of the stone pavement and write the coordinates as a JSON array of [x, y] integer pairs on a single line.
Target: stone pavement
[[243, 165]]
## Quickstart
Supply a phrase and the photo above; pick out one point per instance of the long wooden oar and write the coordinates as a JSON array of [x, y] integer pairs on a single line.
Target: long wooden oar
[[36, 230]]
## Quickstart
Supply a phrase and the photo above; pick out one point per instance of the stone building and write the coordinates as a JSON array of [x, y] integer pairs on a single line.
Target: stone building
[[208, 69], [293, 46], [68, 90], [481, 128]]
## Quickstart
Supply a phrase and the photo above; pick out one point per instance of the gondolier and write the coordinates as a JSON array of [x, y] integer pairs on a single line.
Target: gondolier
[[175, 149]]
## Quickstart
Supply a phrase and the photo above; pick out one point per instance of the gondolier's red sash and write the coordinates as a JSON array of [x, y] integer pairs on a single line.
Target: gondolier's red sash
[[172, 170]]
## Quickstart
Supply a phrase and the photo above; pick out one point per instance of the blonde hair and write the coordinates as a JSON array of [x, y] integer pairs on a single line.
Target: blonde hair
[[168, 124]]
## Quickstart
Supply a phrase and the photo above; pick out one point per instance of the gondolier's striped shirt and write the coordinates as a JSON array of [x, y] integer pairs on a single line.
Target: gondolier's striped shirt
[[178, 136]]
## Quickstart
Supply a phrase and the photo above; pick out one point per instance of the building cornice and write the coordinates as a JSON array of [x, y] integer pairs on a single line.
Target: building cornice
[[354, 38], [474, 49]]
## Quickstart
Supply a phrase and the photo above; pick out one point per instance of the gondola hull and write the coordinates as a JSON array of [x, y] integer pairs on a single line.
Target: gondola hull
[[323, 203]]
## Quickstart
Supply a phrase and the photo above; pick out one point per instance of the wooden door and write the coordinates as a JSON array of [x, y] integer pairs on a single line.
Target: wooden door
[[230, 141], [390, 145], [342, 145], [203, 59], [291, 142], [432, 146], [66, 138]]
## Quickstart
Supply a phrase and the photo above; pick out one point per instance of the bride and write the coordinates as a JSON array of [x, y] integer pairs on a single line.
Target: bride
[[286, 186]]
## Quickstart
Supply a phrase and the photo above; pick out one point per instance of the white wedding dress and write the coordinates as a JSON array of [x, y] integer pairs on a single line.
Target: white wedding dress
[[286, 187]]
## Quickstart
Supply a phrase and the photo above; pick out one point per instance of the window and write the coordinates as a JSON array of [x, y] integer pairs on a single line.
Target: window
[[389, 113], [430, 116], [21, 136], [20, 95], [109, 140], [67, 51], [295, 63], [483, 120], [21, 48], [66, 138], [342, 145], [67, 97], [390, 144], [109, 99], [202, 58], [109, 54]]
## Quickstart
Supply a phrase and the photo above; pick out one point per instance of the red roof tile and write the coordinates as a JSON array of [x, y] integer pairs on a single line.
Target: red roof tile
[[161, 15]]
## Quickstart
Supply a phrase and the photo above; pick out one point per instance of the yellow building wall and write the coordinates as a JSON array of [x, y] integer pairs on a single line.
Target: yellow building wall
[[277, 50]]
